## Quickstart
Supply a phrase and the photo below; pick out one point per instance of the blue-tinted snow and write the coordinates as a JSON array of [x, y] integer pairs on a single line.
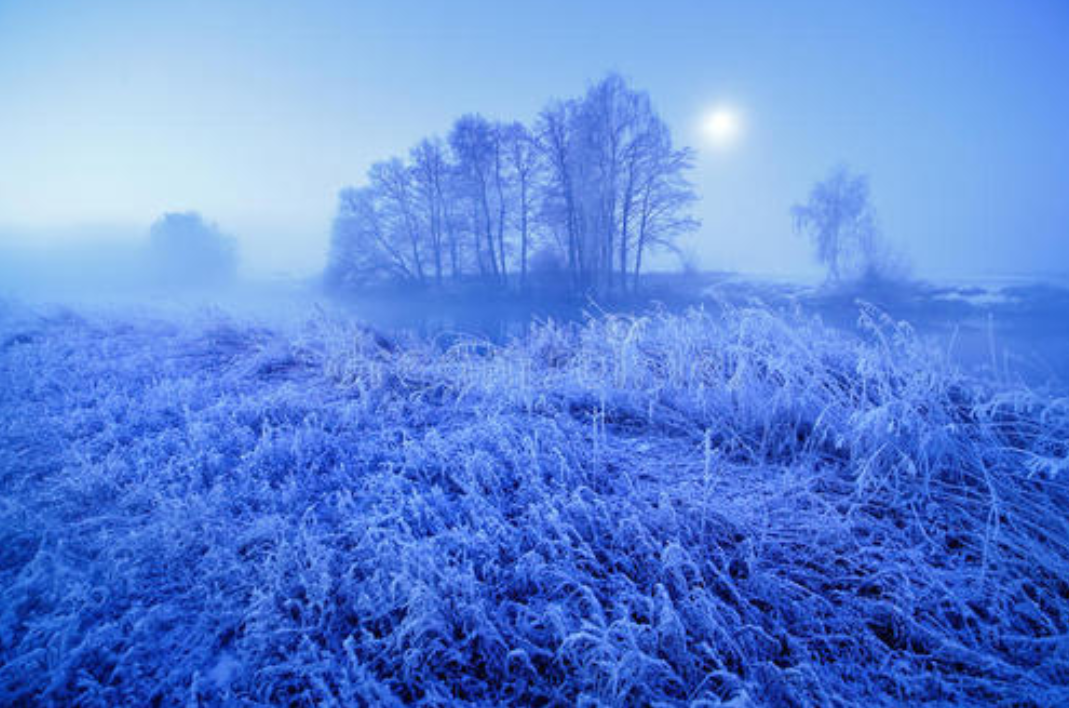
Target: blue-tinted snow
[[683, 509]]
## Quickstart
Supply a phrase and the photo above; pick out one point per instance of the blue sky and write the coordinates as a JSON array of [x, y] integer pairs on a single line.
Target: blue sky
[[256, 113]]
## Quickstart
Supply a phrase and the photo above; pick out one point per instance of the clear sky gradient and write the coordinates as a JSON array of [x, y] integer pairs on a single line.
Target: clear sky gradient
[[256, 113]]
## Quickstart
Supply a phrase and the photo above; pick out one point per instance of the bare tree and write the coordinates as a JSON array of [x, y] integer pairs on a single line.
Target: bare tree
[[523, 158], [363, 251], [474, 143], [664, 196], [606, 116], [392, 184], [429, 173], [841, 222], [560, 210], [615, 181]]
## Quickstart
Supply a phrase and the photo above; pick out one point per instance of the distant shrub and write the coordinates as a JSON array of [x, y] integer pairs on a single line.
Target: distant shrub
[[186, 251], [548, 269], [689, 262], [547, 261]]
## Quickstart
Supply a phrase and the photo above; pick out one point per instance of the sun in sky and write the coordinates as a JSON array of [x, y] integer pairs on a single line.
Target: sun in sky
[[722, 126]]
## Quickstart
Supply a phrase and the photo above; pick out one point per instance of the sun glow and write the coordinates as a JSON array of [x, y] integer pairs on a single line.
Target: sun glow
[[722, 127]]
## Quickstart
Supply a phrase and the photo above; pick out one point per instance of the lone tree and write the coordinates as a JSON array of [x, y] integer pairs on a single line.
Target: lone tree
[[187, 251], [841, 222]]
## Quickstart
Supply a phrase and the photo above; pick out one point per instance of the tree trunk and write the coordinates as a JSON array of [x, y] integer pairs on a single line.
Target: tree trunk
[[624, 224], [500, 215], [643, 223], [489, 231], [523, 232]]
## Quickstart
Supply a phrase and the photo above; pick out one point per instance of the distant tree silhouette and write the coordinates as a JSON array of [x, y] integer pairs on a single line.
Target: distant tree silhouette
[[186, 251], [840, 221]]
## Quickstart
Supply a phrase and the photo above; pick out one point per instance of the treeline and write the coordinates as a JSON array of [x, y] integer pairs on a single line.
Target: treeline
[[581, 197]]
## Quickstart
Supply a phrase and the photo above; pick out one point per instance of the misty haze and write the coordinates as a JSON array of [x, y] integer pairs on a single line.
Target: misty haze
[[546, 354]]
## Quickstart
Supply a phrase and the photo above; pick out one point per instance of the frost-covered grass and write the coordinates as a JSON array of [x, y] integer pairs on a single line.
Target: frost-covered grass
[[748, 508]]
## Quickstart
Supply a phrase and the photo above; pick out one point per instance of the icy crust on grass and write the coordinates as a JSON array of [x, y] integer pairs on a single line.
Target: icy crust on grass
[[744, 509]]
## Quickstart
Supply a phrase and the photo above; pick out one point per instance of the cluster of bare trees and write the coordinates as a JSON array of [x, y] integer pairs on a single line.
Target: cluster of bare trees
[[586, 193]]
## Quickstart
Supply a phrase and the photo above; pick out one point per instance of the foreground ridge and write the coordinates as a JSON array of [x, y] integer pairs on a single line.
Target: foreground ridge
[[745, 509]]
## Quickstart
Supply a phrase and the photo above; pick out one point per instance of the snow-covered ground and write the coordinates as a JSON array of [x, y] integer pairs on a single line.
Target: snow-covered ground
[[742, 507]]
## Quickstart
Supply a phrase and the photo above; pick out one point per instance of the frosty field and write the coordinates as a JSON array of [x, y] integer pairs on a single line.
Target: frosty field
[[746, 508]]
